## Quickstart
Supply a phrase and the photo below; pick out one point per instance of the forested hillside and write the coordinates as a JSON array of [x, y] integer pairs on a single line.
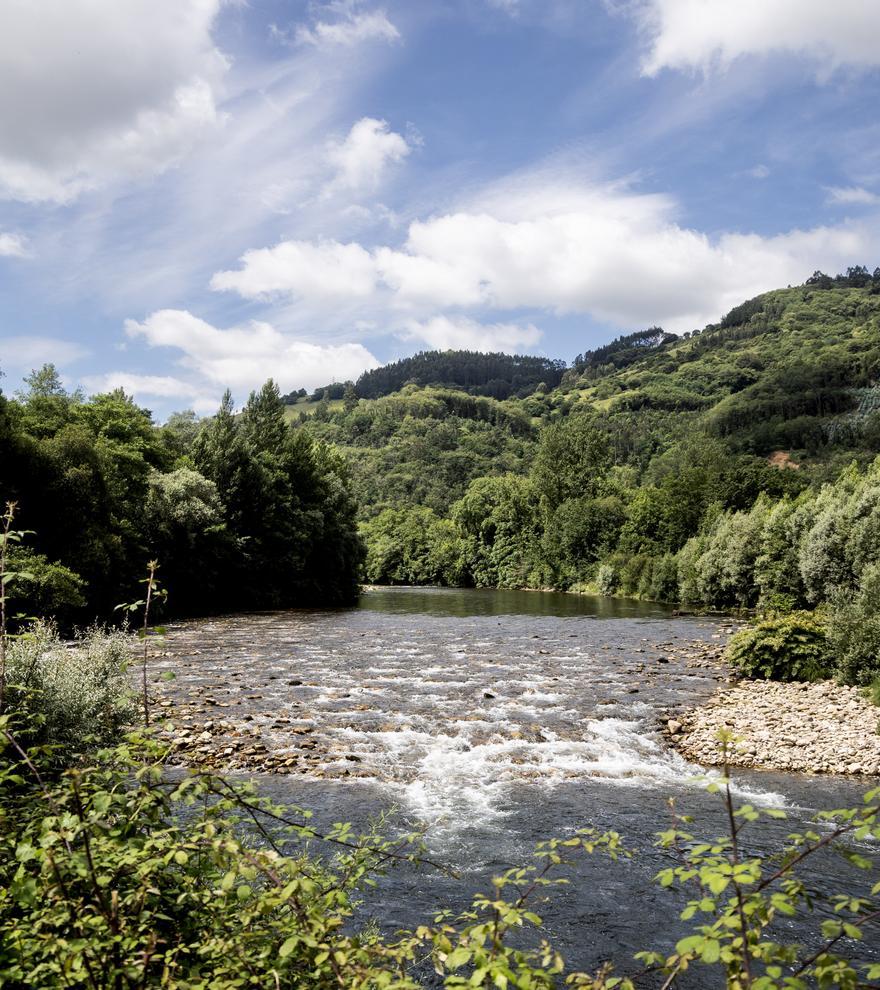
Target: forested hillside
[[240, 511], [660, 466], [477, 373]]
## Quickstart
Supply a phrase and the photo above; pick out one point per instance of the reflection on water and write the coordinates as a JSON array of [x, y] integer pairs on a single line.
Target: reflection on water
[[488, 601], [497, 718]]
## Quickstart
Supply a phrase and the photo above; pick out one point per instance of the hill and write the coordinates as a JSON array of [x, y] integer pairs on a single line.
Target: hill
[[643, 446], [497, 375]]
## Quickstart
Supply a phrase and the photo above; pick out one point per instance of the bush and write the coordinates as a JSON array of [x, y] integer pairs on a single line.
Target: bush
[[854, 631], [44, 588], [114, 875], [71, 695], [790, 647], [606, 580]]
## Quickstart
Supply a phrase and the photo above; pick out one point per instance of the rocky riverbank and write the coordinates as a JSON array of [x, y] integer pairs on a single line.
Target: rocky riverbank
[[811, 728]]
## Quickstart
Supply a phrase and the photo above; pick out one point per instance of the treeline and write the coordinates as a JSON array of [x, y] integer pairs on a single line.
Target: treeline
[[496, 375], [621, 352], [240, 510], [706, 529]]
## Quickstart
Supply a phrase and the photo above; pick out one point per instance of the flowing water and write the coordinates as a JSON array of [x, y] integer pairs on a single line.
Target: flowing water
[[495, 718]]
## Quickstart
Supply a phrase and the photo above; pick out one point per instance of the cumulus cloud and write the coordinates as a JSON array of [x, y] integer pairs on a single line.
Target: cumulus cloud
[[461, 333], [849, 195], [705, 34], [362, 159], [619, 256], [351, 27], [94, 89], [27, 352], [13, 246], [325, 270], [244, 357]]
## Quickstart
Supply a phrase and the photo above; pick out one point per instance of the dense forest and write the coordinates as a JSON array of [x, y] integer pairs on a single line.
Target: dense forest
[[237, 509], [730, 467], [475, 372]]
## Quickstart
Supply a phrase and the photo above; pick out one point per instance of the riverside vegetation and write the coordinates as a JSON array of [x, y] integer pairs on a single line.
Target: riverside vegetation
[[732, 467], [114, 873]]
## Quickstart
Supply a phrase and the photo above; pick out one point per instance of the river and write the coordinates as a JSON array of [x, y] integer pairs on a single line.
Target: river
[[497, 719]]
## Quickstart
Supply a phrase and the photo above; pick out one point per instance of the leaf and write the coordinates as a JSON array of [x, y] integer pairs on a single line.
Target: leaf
[[458, 957]]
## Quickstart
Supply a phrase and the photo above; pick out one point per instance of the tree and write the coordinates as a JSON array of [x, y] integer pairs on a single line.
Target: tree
[[573, 460], [349, 397]]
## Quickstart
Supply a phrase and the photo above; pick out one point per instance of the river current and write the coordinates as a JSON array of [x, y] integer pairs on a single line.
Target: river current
[[496, 719]]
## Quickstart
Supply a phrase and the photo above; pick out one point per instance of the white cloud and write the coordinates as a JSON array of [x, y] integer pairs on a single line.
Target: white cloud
[[325, 270], [164, 386], [361, 160], [759, 172], [13, 246], [461, 333], [95, 89], [27, 352], [605, 251], [705, 34], [352, 27], [146, 388], [848, 195], [244, 357]]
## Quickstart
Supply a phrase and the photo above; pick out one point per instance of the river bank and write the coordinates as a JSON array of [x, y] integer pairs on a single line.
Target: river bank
[[808, 728]]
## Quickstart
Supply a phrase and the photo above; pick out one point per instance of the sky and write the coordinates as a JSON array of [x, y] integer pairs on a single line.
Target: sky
[[201, 194]]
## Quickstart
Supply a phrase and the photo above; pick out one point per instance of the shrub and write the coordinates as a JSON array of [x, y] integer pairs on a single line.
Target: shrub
[[854, 631], [44, 588], [606, 579], [71, 695], [790, 647]]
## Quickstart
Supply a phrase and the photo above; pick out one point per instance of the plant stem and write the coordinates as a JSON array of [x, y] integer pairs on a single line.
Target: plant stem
[[151, 577], [8, 516]]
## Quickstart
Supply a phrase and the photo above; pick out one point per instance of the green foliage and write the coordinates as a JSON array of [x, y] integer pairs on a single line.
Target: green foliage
[[740, 902], [411, 546], [70, 695], [113, 875], [854, 631], [423, 447], [495, 375], [572, 462], [44, 588], [790, 647], [497, 522], [231, 499]]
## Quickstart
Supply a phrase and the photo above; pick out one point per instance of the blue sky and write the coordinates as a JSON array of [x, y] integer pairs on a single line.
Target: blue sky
[[197, 194]]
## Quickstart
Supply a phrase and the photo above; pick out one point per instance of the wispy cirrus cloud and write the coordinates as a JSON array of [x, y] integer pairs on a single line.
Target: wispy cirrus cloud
[[462, 333], [350, 24], [852, 195], [24, 352], [13, 246]]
